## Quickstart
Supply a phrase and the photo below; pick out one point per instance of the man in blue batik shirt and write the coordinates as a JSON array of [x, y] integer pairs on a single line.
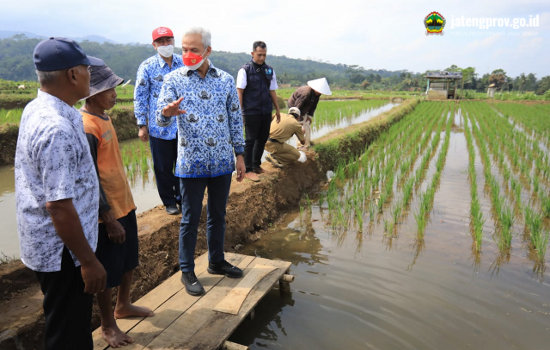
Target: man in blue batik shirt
[[163, 140], [204, 101]]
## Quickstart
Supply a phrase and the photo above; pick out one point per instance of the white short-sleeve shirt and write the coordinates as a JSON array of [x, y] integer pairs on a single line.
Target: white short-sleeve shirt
[[241, 80], [52, 162]]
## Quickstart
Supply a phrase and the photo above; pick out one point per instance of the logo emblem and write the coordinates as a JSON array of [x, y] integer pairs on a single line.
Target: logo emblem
[[434, 23]]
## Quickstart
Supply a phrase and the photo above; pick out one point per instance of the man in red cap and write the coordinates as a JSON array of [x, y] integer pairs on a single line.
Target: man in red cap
[[162, 140]]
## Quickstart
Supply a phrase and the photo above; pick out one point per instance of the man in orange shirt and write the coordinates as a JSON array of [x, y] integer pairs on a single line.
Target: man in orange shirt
[[117, 247]]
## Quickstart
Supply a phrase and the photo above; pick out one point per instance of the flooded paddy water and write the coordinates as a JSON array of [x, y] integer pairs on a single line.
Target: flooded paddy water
[[353, 291], [372, 283]]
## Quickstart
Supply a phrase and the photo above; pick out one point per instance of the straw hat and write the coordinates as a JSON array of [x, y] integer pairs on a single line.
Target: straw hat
[[320, 85]]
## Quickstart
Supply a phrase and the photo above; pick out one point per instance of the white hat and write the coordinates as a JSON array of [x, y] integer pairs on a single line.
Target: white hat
[[294, 110], [320, 85]]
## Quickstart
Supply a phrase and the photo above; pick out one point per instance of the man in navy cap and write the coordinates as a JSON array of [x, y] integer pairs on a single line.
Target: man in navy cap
[[57, 195]]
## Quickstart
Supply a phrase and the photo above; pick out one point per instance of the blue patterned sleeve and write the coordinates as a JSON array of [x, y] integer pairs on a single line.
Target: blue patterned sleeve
[[235, 119], [142, 95], [168, 94]]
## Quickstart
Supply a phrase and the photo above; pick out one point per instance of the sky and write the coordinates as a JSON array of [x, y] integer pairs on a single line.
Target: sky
[[370, 33]]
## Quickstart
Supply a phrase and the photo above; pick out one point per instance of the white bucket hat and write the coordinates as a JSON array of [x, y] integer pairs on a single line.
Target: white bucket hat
[[320, 85]]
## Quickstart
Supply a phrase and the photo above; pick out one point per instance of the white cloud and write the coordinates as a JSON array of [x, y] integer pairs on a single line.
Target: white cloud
[[373, 34]]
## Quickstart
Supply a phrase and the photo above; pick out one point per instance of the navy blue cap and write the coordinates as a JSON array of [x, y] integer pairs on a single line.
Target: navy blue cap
[[60, 53]]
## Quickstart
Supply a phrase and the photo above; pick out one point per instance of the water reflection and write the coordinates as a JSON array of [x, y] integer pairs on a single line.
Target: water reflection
[[369, 297], [266, 324], [295, 242]]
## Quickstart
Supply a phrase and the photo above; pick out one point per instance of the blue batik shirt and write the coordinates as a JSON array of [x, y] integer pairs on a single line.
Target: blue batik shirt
[[210, 133], [150, 76]]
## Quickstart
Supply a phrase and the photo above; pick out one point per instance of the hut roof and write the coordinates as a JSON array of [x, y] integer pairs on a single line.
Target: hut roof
[[444, 75]]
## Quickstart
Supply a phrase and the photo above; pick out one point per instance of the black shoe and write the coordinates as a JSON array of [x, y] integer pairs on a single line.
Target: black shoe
[[172, 209], [225, 268], [258, 170], [192, 284]]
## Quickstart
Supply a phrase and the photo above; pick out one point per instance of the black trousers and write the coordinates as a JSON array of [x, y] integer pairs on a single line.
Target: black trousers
[[165, 154], [67, 309], [256, 128]]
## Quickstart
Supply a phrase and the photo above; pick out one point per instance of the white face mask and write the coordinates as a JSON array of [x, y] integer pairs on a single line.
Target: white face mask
[[166, 51]]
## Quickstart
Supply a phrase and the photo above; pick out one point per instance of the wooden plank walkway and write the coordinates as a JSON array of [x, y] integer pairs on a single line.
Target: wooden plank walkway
[[183, 321]]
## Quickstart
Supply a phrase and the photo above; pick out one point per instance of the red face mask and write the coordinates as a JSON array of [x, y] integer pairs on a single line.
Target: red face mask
[[192, 60]]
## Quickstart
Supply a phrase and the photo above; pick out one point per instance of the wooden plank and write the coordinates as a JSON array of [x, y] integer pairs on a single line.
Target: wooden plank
[[234, 299], [233, 346], [147, 330], [200, 327], [156, 297]]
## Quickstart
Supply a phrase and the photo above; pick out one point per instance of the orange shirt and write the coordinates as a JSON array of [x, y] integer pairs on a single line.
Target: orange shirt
[[112, 176]]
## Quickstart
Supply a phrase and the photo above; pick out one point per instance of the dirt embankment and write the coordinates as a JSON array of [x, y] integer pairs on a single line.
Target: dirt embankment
[[251, 208]]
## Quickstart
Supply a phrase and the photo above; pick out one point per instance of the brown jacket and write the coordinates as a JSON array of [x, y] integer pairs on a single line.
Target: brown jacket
[[305, 99], [286, 128]]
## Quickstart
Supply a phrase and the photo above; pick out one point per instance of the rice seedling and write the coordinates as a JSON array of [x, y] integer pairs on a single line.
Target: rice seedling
[[538, 238], [506, 220]]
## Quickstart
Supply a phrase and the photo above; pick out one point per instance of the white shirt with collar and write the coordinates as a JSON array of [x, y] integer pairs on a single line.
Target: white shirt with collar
[[52, 162]]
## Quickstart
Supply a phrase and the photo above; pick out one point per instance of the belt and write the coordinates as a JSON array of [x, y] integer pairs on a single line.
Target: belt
[[273, 140]]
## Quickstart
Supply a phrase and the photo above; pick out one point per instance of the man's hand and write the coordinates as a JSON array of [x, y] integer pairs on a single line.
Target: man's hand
[[241, 169], [94, 277], [115, 232], [143, 133], [67, 224], [173, 109], [278, 115]]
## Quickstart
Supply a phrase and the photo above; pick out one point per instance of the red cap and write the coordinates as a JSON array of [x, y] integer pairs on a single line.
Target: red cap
[[162, 32]]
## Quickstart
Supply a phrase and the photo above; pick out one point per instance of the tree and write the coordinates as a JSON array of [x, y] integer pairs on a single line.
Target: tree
[[499, 78], [543, 85], [531, 82], [483, 83], [468, 77]]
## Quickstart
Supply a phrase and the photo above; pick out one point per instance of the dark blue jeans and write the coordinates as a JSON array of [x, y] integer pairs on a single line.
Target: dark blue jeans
[[165, 153], [192, 194]]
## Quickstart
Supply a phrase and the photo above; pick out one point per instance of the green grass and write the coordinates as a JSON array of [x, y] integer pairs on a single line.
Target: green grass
[[10, 116]]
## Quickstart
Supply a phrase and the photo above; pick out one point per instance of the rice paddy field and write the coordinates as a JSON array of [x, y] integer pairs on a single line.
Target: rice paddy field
[[392, 187], [435, 237]]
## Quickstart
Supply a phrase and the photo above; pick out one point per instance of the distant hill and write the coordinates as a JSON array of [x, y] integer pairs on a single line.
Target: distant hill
[[16, 62], [4, 34]]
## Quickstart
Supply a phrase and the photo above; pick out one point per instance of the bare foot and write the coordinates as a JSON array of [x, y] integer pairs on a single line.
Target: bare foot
[[133, 311], [115, 337]]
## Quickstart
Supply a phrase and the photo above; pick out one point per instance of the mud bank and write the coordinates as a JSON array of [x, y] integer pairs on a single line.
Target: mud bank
[[252, 207]]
